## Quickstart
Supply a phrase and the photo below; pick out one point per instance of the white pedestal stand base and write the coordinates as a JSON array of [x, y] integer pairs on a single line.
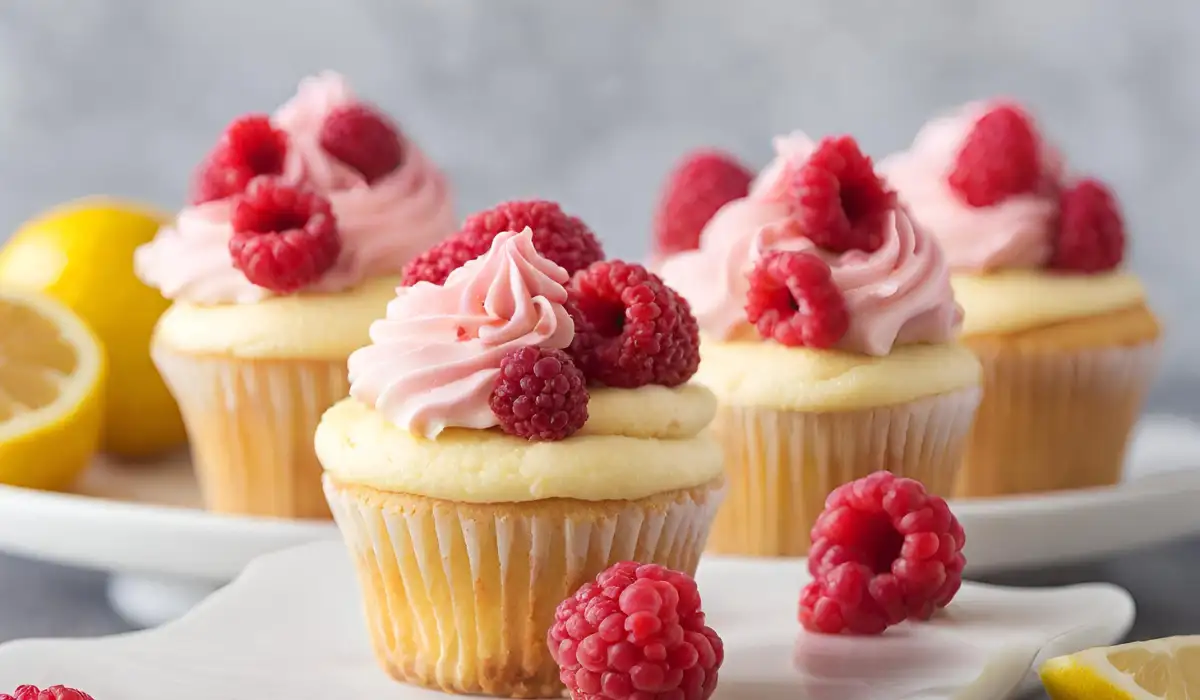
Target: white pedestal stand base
[[149, 601]]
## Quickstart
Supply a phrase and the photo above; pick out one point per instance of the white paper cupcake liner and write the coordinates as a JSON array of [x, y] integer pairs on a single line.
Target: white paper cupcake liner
[[460, 596]]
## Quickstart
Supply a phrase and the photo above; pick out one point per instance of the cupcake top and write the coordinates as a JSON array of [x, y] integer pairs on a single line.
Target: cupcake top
[[319, 197], [1029, 243], [818, 255], [513, 380]]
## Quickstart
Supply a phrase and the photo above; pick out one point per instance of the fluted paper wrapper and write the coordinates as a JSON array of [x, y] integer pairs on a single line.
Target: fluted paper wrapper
[[250, 425], [460, 596], [780, 465], [1055, 419]]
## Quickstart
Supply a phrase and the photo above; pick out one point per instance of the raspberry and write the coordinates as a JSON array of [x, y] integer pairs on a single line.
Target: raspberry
[[883, 551], [793, 300], [1000, 158], [563, 239], [540, 394], [54, 692], [284, 237], [364, 139], [700, 185], [250, 147], [637, 632], [837, 200], [1091, 233], [631, 329]]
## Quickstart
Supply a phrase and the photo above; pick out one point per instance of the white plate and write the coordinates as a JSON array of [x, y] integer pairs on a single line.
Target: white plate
[[290, 627], [145, 520]]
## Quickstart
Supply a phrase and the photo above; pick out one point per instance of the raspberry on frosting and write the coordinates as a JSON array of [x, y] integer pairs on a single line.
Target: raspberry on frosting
[[563, 239], [1000, 158], [364, 139], [636, 633], [700, 185], [1091, 231], [631, 329], [794, 301], [251, 146], [540, 394], [54, 692], [285, 237], [883, 551], [836, 199]]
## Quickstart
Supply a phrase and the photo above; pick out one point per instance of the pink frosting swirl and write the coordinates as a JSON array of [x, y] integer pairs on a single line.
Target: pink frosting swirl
[[1015, 233], [897, 294], [434, 358], [382, 225]]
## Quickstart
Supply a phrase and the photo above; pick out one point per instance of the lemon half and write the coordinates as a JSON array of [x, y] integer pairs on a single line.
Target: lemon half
[[52, 371], [1160, 669]]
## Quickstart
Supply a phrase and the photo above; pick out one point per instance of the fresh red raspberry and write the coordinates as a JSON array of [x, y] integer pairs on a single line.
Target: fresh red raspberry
[[836, 198], [793, 300], [1091, 232], [1000, 158], [284, 236], [636, 633], [883, 551], [250, 147], [701, 184], [540, 394], [563, 239], [364, 139], [54, 692], [631, 329]]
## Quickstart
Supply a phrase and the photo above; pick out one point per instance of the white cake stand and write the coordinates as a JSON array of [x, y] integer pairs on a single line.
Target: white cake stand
[[143, 524]]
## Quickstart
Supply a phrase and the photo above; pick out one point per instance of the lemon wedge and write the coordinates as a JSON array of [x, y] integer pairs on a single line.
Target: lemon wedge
[[52, 371], [1160, 669], [81, 254]]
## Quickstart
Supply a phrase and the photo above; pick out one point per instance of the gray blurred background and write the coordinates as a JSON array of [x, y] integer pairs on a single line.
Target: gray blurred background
[[589, 102]]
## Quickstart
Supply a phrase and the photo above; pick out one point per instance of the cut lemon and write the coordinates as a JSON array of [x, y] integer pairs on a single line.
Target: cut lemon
[[52, 370], [1160, 669]]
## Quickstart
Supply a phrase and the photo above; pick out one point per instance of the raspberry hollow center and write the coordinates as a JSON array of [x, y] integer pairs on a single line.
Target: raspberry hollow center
[[878, 540]]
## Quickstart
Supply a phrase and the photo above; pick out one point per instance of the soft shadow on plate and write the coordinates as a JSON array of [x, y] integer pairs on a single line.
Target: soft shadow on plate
[[291, 627]]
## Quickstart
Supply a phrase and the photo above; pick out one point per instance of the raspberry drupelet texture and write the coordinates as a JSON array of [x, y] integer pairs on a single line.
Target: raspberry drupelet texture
[[837, 200], [54, 692], [793, 300], [563, 239], [285, 237], [540, 394], [701, 184], [1000, 158], [636, 633], [631, 329], [251, 146], [883, 551], [364, 139], [1091, 232]]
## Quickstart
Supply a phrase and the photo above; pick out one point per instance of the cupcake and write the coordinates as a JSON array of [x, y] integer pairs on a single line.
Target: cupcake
[[1068, 345], [295, 239], [480, 471], [828, 327]]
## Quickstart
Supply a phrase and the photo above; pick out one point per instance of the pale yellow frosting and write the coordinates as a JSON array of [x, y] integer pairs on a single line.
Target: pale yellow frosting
[[613, 457], [1015, 300], [302, 326], [754, 373]]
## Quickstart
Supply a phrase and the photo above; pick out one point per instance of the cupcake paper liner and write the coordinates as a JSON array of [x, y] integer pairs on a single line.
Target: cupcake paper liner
[[781, 465], [460, 596], [250, 425], [1055, 419]]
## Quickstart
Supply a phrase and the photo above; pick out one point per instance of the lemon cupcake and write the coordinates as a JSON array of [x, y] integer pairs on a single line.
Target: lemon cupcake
[[479, 474], [1068, 344], [300, 225], [829, 324]]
